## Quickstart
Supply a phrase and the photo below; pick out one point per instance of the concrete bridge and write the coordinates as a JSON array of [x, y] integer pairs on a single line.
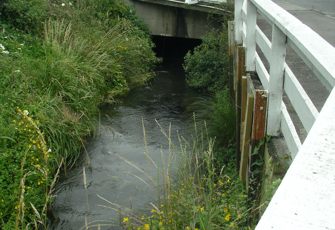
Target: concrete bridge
[[175, 18], [296, 68]]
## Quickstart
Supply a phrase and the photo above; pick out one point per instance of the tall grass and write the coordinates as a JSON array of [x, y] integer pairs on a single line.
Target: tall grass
[[58, 62], [194, 193]]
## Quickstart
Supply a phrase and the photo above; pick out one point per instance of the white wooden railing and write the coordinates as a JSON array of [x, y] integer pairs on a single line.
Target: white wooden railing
[[286, 30], [306, 196]]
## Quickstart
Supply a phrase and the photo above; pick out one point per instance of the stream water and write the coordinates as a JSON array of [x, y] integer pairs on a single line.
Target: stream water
[[107, 173]]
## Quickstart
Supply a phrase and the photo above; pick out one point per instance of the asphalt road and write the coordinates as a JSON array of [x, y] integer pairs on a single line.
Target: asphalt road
[[324, 6], [317, 14]]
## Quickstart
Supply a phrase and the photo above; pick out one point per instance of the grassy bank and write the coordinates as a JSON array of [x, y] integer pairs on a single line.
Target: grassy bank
[[206, 194], [58, 62]]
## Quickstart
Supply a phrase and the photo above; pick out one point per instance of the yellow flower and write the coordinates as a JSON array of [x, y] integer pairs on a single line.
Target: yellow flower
[[146, 227], [125, 220], [225, 209], [227, 217]]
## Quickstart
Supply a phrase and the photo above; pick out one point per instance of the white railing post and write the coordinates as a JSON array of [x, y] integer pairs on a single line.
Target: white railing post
[[238, 21], [276, 81], [251, 36]]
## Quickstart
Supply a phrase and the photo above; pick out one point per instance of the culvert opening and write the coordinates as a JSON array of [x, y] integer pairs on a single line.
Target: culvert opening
[[173, 49]]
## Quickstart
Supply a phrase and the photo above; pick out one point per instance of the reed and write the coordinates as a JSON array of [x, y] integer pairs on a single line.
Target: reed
[[193, 192]]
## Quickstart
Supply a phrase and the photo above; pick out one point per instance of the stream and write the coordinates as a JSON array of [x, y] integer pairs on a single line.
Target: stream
[[114, 171]]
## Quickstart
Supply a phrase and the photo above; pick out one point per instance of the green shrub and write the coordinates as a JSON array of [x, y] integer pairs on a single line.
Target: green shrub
[[208, 66], [114, 10], [25, 15], [25, 173], [222, 119]]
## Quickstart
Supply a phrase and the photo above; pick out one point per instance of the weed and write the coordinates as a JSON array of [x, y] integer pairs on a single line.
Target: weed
[[196, 196], [59, 62]]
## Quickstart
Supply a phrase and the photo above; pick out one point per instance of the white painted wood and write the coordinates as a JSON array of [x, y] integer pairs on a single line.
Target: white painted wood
[[311, 45], [301, 102], [251, 36], [244, 13], [305, 199], [238, 21], [276, 81], [263, 42], [262, 72], [191, 1], [312, 68], [244, 33], [289, 132]]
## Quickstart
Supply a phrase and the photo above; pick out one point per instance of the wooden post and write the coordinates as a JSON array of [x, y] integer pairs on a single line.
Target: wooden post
[[245, 141], [231, 40], [276, 81], [239, 66], [244, 93], [251, 36], [239, 71], [253, 126], [244, 96], [257, 150], [259, 120]]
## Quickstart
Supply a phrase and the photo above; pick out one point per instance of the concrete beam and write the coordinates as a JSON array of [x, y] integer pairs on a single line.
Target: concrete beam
[[201, 7], [172, 21]]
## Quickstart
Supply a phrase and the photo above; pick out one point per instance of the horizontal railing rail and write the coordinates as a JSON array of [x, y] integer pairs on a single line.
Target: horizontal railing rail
[[318, 54], [305, 199]]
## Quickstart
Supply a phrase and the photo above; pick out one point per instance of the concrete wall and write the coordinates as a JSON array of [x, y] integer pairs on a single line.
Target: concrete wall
[[172, 21]]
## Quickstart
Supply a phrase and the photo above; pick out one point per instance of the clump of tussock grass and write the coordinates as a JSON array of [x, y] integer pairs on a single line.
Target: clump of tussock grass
[[59, 69]]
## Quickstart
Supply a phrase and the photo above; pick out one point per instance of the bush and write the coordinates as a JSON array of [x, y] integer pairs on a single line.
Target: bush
[[114, 10], [208, 66], [222, 119], [25, 15]]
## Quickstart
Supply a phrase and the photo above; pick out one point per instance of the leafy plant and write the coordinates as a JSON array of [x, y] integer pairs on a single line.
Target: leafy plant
[[208, 66], [25, 15], [222, 119]]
